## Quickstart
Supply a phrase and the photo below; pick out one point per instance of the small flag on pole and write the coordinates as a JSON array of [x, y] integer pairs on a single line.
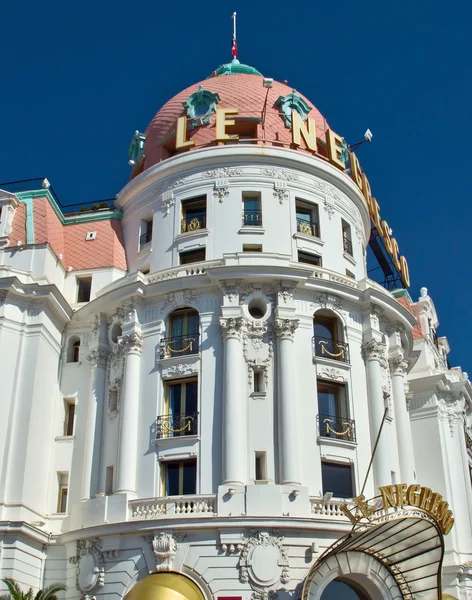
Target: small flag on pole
[[234, 49]]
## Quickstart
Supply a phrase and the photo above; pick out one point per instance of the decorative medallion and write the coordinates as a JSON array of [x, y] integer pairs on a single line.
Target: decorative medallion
[[291, 102], [89, 574], [200, 106], [263, 563]]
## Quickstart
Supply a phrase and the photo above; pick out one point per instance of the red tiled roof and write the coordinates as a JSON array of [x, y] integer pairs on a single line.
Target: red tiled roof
[[106, 250], [241, 91], [416, 330], [18, 228]]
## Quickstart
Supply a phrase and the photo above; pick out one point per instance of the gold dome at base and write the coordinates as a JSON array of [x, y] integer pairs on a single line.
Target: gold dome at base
[[165, 586]]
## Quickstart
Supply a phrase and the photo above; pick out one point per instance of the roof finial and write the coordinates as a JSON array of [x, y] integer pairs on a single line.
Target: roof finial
[[234, 49]]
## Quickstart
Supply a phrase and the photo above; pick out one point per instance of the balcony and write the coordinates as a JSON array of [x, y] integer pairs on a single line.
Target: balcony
[[307, 227], [347, 245], [193, 223], [179, 346], [252, 218], [330, 426], [173, 506], [326, 348], [170, 426], [146, 238]]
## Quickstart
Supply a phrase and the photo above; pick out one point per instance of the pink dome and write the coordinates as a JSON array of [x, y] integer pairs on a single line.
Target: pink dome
[[242, 91]]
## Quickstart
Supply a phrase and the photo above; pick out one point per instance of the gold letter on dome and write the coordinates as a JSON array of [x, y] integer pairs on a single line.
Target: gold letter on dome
[[300, 130], [335, 148], [222, 123], [181, 134]]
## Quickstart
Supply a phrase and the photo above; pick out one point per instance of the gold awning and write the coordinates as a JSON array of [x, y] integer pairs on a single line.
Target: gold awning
[[165, 586]]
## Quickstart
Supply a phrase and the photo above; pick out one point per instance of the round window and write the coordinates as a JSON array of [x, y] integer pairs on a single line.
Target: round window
[[257, 308], [116, 332], [343, 590]]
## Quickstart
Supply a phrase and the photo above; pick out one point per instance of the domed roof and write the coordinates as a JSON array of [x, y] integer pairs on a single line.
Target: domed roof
[[231, 86]]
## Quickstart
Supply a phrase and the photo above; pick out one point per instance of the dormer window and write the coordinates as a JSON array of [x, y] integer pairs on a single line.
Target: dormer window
[[291, 102], [200, 106]]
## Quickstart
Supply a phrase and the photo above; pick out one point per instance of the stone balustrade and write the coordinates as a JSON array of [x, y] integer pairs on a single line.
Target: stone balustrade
[[172, 506]]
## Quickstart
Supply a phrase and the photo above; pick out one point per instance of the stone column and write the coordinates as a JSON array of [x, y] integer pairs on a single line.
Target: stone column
[[128, 441], [93, 433], [398, 369], [374, 356], [234, 404], [289, 472]]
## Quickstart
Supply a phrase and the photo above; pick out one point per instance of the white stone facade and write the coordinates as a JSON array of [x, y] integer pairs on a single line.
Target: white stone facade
[[259, 515]]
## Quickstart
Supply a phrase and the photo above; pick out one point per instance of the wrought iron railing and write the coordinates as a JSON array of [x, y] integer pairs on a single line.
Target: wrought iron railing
[[252, 218], [330, 426], [327, 348], [179, 346], [145, 238], [307, 227], [192, 223], [176, 425], [347, 245]]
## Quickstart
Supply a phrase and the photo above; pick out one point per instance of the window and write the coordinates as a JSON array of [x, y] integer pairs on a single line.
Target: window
[[252, 247], [347, 240], [307, 218], [332, 399], [146, 232], [340, 589], [327, 339], [337, 479], [252, 214], [183, 334], [62, 479], [309, 259], [69, 416], [109, 487], [179, 477], [193, 214], [350, 274], [260, 466], [145, 270], [192, 256], [333, 412], [181, 409], [84, 286], [113, 399], [259, 387], [73, 349]]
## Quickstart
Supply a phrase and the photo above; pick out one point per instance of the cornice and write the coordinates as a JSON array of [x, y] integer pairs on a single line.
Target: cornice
[[37, 294], [226, 156]]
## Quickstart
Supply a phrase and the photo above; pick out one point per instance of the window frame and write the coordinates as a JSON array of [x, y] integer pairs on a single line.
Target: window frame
[[347, 238], [313, 210], [303, 253], [257, 197], [164, 471], [341, 465], [80, 280], [69, 407], [146, 229], [187, 253], [193, 205], [341, 398]]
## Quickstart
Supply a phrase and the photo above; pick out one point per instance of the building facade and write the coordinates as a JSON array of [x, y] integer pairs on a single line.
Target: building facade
[[195, 379]]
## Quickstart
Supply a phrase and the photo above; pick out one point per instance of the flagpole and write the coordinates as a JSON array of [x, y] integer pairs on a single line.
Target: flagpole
[[234, 49]]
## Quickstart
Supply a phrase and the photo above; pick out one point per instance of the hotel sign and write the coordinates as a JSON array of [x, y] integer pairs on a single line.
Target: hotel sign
[[306, 131], [400, 500]]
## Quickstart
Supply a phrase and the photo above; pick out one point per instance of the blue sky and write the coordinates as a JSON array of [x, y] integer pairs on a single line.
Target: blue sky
[[79, 77]]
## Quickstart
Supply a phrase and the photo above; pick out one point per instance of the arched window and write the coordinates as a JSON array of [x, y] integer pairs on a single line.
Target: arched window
[[73, 349], [328, 336], [183, 330], [342, 589]]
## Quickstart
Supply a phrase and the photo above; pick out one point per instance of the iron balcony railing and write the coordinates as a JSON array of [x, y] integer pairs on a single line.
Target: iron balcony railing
[[331, 426], [192, 223], [252, 218], [307, 227], [328, 348], [176, 425], [145, 238], [347, 245], [182, 345]]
